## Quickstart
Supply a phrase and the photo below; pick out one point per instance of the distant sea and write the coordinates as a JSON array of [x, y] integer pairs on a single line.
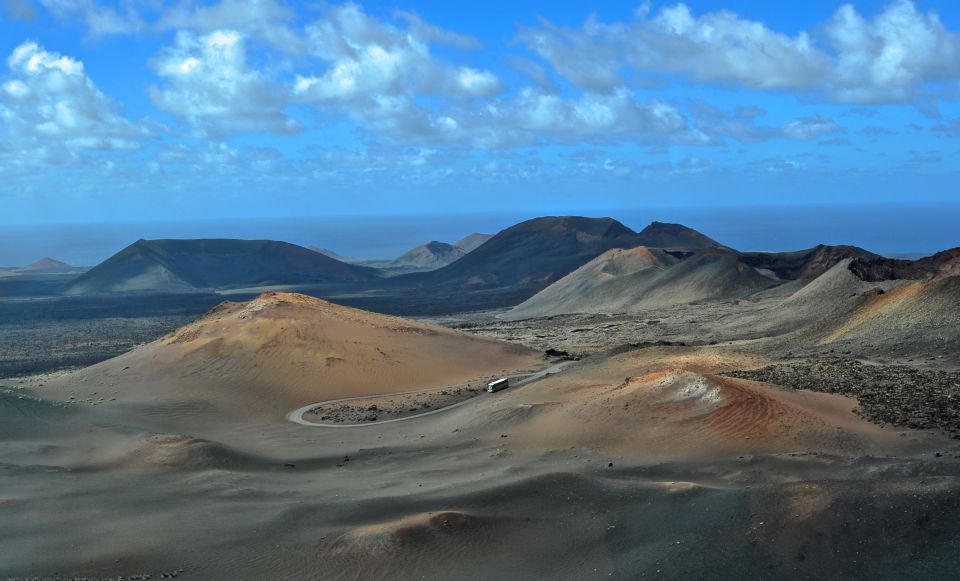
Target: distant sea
[[885, 229]]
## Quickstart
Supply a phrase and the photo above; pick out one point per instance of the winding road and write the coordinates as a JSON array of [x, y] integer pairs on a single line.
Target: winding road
[[296, 416]]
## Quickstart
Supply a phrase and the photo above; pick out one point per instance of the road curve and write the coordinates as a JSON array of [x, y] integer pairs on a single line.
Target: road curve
[[296, 416]]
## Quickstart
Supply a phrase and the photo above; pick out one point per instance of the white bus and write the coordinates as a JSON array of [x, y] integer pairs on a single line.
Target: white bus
[[498, 385]]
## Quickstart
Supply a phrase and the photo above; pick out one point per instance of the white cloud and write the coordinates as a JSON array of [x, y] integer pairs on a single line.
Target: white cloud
[[100, 19], [893, 58], [809, 128], [366, 57], [209, 84], [266, 20], [48, 104]]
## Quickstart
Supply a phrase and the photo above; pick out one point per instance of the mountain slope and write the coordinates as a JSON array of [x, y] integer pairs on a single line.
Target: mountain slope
[[602, 282], [163, 265], [531, 254], [626, 280], [804, 264], [280, 351], [675, 236], [939, 265], [431, 255], [473, 241]]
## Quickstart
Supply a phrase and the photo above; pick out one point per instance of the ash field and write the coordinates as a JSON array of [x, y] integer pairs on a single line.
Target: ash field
[[679, 409]]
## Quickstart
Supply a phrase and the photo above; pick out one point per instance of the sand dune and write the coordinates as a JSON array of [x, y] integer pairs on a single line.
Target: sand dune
[[281, 351]]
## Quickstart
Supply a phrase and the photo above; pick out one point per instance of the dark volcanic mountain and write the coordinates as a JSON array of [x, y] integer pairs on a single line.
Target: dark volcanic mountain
[[531, 254], [804, 264], [431, 255], [875, 268], [163, 265], [675, 236], [473, 241]]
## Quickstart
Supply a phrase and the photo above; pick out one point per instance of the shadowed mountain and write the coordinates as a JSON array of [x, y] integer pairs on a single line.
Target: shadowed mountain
[[675, 236], [875, 268], [473, 241], [529, 255], [626, 280], [164, 265], [804, 264]]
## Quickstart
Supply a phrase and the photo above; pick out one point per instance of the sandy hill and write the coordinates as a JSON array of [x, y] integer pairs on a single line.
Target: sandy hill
[[280, 351], [804, 264], [916, 313], [602, 282], [431, 255], [473, 241], [531, 254], [664, 235], [622, 281], [853, 303], [672, 403], [161, 265]]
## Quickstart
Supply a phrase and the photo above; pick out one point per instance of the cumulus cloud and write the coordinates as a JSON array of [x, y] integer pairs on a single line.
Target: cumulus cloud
[[209, 84], [378, 73], [47, 102], [365, 56], [901, 55]]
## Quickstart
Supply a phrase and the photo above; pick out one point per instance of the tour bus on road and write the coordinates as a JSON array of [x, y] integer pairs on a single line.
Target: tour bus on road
[[498, 385]]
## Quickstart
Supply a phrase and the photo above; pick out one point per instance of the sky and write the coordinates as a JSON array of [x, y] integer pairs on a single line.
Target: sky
[[139, 110]]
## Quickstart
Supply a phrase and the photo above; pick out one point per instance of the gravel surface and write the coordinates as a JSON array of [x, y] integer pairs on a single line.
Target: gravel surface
[[898, 395], [381, 408]]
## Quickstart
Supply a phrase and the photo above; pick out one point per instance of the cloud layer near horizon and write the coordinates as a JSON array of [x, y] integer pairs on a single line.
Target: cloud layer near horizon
[[428, 102]]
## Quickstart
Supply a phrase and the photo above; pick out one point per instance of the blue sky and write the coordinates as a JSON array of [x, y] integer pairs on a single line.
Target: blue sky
[[143, 110]]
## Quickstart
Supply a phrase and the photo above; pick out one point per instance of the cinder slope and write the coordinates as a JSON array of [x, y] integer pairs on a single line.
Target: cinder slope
[[161, 265], [612, 284], [673, 404], [603, 283], [280, 351], [471, 242], [920, 312], [431, 255]]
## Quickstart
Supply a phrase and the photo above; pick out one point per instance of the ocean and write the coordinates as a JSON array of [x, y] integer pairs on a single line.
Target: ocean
[[903, 229]]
